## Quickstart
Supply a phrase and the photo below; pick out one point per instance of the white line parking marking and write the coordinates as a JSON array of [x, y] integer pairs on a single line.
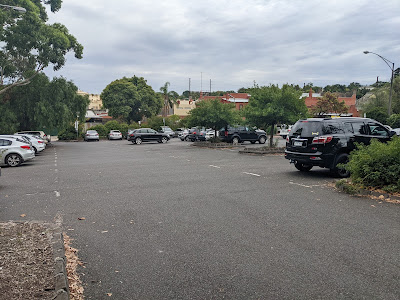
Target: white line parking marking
[[215, 166], [252, 174], [303, 185]]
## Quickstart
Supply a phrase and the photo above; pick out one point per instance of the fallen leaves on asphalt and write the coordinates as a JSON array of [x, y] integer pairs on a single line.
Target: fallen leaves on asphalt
[[82, 218]]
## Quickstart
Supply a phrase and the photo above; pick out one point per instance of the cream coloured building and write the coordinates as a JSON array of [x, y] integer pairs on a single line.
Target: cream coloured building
[[182, 109], [95, 101]]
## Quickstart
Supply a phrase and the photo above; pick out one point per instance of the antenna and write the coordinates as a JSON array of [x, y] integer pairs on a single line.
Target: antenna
[[210, 87], [189, 88]]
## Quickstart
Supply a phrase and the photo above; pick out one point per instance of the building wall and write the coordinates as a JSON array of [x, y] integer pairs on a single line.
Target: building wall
[[95, 100], [182, 110]]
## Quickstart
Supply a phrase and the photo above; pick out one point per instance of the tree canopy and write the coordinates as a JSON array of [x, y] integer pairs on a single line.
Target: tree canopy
[[129, 99], [329, 103], [380, 98], [43, 104], [29, 44], [271, 105], [213, 114]]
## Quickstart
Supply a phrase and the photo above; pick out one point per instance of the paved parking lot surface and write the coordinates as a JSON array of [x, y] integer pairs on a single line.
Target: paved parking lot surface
[[172, 221]]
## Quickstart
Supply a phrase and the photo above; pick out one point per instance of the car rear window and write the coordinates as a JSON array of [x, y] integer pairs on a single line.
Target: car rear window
[[315, 128]]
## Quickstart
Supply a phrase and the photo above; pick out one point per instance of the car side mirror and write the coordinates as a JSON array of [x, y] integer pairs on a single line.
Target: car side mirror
[[392, 133]]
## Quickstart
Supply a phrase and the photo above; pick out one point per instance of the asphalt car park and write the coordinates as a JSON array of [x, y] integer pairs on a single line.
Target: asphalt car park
[[184, 222]]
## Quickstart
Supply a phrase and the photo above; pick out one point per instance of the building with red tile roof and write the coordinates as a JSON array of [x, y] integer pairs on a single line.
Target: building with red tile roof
[[239, 99], [311, 100]]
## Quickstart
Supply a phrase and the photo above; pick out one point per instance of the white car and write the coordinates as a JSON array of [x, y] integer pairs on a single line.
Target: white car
[[114, 135], [14, 151], [45, 137], [285, 130], [397, 130], [210, 133], [38, 144]]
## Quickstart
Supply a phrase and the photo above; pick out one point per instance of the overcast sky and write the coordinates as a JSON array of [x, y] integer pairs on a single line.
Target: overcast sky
[[230, 42]]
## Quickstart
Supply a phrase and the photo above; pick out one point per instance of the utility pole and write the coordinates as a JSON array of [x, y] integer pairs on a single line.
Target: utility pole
[[189, 88]]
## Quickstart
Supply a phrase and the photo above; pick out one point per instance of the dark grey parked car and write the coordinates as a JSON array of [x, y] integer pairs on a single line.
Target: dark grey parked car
[[147, 135], [239, 134]]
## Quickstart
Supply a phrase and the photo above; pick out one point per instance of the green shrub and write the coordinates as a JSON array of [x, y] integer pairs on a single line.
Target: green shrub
[[394, 121], [101, 129], [155, 122], [377, 165], [112, 125], [215, 140], [67, 134]]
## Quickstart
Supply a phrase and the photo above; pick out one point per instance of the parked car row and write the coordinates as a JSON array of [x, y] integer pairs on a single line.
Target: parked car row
[[20, 147]]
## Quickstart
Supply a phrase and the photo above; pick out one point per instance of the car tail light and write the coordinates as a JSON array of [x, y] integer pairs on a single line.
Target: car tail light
[[287, 139], [26, 147], [226, 133], [40, 142], [323, 139]]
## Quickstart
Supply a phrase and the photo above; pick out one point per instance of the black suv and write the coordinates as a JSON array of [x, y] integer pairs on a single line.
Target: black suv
[[328, 142], [240, 134]]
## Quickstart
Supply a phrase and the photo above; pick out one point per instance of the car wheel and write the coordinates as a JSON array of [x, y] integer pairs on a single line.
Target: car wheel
[[235, 140], [34, 149], [341, 171], [262, 140], [13, 160], [253, 142], [283, 136], [186, 138], [164, 140], [303, 167], [138, 140]]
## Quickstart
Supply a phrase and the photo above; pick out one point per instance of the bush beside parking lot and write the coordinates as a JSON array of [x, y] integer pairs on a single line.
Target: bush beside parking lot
[[377, 165]]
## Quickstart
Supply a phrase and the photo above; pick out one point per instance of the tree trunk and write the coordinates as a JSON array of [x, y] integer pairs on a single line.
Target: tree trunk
[[271, 136]]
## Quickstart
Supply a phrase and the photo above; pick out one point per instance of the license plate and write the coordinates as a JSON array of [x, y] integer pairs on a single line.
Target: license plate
[[298, 144]]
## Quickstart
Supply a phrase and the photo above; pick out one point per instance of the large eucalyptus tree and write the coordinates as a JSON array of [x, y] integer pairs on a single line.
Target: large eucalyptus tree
[[29, 44]]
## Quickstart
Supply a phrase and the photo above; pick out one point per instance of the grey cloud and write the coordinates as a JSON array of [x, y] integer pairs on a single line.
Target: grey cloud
[[231, 42]]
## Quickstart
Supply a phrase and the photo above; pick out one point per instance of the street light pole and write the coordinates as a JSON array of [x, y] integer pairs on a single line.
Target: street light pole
[[391, 66], [16, 8]]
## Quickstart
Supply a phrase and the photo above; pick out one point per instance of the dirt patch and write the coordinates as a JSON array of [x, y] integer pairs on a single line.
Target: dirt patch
[[26, 261]]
